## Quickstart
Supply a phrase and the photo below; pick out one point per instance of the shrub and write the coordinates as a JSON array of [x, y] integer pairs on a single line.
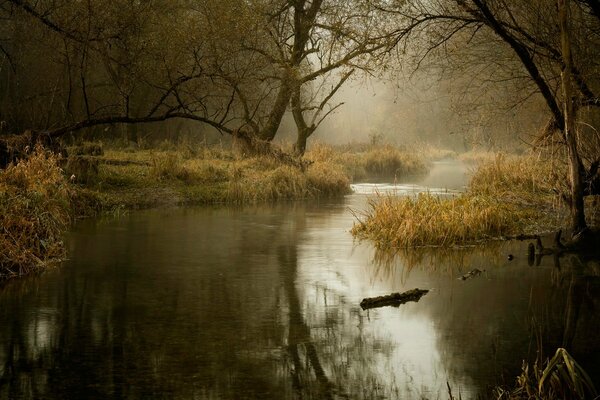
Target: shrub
[[34, 213]]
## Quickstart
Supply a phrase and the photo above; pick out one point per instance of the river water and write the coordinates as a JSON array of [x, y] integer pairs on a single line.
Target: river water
[[263, 303]]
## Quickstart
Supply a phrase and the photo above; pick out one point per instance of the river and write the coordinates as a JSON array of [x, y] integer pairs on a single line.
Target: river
[[262, 302]]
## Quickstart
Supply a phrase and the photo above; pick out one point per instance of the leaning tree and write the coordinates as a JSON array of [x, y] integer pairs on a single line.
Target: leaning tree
[[554, 47]]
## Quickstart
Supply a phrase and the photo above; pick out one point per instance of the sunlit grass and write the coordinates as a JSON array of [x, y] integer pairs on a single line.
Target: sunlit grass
[[506, 196], [524, 179], [430, 220]]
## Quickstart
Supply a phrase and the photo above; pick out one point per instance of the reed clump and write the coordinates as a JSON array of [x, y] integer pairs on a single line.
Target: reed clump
[[263, 179], [430, 220], [560, 377], [506, 196], [526, 179], [35, 204]]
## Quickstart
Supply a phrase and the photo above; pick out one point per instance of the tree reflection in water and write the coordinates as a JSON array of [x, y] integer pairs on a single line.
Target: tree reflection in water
[[263, 303], [517, 310], [193, 305]]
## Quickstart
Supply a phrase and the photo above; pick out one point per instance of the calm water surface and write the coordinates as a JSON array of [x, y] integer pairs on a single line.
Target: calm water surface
[[262, 303]]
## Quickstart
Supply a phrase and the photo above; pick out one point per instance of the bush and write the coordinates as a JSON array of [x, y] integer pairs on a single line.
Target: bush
[[34, 213]]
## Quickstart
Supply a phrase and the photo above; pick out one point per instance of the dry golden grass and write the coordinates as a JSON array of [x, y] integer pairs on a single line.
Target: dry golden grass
[[429, 220], [262, 179], [34, 213], [506, 196], [363, 162], [207, 175], [477, 157], [433, 153], [507, 176]]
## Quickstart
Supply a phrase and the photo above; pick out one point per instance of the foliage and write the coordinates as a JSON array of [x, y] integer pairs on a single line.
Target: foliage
[[35, 201]]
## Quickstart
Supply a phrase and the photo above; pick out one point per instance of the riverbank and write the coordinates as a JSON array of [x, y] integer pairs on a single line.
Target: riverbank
[[507, 195], [186, 175], [41, 195]]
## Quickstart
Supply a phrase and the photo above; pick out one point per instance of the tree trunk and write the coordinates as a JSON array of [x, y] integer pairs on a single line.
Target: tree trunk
[[300, 145], [576, 171], [278, 110], [304, 131]]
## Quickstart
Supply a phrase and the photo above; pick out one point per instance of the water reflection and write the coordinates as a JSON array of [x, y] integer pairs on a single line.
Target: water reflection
[[264, 303], [513, 308]]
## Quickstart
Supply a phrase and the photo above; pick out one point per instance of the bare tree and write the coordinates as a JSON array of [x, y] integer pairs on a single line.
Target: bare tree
[[532, 33]]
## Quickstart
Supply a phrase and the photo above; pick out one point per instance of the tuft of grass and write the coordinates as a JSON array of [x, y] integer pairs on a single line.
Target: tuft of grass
[[169, 165], [283, 182], [477, 157], [82, 169], [261, 179], [327, 180], [506, 196], [561, 377], [35, 203], [429, 220], [525, 179], [434, 153], [391, 161]]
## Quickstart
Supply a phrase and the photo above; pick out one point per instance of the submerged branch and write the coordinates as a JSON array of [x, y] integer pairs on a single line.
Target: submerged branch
[[394, 299]]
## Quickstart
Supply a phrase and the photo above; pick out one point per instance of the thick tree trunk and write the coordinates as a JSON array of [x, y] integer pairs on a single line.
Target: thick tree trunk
[[576, 171]]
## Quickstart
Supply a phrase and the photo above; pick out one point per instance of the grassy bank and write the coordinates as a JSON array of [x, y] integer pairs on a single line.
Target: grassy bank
[[185, 174], [148, 178], [507, 195], [42, 194], [362, 162]]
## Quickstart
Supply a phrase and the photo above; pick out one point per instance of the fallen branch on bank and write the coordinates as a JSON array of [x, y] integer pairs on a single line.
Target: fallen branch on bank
[[394, 299]]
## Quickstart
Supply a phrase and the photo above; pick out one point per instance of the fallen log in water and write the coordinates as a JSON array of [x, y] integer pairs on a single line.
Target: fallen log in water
[[394, 299]]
